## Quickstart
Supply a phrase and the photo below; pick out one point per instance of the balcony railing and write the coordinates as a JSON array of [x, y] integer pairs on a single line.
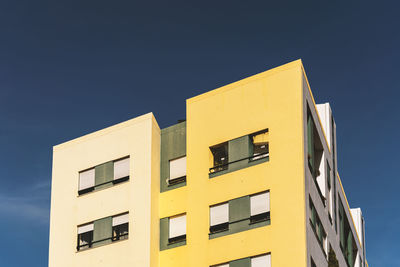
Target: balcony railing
[[222, 167]]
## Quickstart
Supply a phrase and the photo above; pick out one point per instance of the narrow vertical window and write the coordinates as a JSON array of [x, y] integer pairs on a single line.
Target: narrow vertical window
[[177, 228], [261, 261], [177, 171], [259, 207], [120, 227], [86, 181], [85, 236], [219, 218], [121, 170]]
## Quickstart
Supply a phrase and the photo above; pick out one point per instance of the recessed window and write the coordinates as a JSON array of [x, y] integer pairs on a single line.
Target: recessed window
[[85, 236], [86, 181], [177, 171], [261, 261], [219, 218], [260, 147], [120, 227], [177, 229], [259, 207], [121, 170], [220, 157]]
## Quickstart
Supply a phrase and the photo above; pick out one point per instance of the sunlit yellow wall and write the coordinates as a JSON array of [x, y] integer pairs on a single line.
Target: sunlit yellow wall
[[140, 139], [273, 100]]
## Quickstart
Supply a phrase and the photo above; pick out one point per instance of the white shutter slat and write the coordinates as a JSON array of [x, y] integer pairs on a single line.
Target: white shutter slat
[[177, 226], [219, 214], [223, 265], [177, 168], [121, 168], [120, 219], [259, 203], [85, 228], [86, 179], [261, 261]]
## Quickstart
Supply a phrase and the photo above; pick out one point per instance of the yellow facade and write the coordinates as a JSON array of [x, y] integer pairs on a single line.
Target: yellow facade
[[271, 100]]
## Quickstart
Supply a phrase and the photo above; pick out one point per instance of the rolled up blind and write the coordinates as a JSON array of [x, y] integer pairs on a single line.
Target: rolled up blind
[[86, 179], [261, 261], [121, 168], [177, 226], [85, 228], [120, 219], [259, 203], [219, 214], [177, 168]]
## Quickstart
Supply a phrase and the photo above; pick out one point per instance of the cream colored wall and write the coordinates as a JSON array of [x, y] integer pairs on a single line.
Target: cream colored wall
[[140, 139], [273, 100]]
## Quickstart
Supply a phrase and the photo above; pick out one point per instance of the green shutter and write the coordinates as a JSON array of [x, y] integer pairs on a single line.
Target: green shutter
[[341, 225], [239, 150], [313, 215], [246, 262], [310, 141], [104, 173], [239, 209], [350, 256], [239, 214], [102, 231]]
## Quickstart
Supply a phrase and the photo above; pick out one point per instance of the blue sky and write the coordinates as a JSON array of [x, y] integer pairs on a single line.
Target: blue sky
[[68, 68]]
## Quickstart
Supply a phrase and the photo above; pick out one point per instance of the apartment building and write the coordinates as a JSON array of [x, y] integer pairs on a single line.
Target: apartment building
[[249, 179]]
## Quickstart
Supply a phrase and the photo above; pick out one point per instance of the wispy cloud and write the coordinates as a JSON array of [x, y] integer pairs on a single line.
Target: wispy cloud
[[32, 205]]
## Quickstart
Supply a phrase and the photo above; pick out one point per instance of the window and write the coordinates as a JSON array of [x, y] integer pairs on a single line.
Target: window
[[120, 227], [121, 170], [330, 191], [261, 261], [318, 228], [86, 181], [220, 157], [347, 241], [177, 228], [104, 175], [259, 207], [85, 236], [177, 171], [219, 218], [260, 148], [313, 263]]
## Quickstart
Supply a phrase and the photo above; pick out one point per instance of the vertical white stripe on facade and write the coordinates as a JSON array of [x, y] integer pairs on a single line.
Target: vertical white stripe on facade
[[324, 112]]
